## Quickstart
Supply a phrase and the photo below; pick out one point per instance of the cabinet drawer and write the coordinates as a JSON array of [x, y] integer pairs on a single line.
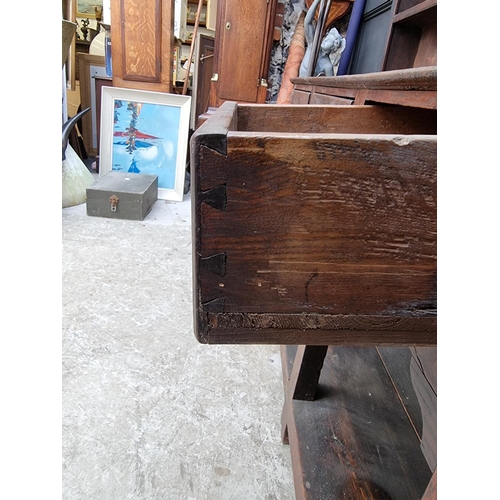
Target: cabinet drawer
[[315, 225]]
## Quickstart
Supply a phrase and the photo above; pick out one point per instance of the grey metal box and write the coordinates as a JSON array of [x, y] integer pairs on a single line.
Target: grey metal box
[[136, 194]]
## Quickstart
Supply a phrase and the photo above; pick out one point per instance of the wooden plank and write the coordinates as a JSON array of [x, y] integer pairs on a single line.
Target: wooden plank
[[299, 97], [332, 119], [400, 79], [360, 97], [431, 491], [416, 395], [397, 363], [318, 98], [428, 404], [422, 99], [426, 357], [219, 327], [421, 13], [355, 440]]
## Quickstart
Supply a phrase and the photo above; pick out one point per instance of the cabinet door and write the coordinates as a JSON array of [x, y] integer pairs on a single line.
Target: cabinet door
[[242, 50], [142, 38]]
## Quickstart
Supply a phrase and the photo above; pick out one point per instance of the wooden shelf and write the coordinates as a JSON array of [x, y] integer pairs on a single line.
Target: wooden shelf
[[355, 440], [411, 6], [422, 14], [413, 35]]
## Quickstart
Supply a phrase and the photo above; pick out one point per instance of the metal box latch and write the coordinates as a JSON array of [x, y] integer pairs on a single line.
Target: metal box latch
[[113, 200]]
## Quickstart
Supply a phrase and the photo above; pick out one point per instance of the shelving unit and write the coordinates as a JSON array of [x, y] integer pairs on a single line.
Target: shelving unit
[[413, 35], [354, 433], [191, 16]]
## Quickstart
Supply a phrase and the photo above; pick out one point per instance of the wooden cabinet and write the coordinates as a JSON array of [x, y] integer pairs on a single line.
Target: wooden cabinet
[[142, 40], [413, 35], [243, 43], [315, 228], [396, 34]]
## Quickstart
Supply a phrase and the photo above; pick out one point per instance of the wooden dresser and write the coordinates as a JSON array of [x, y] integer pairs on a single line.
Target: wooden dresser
[[314, 227]]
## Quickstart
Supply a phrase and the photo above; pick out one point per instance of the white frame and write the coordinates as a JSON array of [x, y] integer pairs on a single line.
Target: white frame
[[183, 102]]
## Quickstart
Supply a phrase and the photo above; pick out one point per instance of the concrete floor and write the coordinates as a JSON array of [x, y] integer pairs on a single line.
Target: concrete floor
[[148, 412]]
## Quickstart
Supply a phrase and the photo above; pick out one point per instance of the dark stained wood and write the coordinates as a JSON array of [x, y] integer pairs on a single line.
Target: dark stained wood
[[306, 371], [142, 44], [281, 256], [426, 54], [360, 243], [204, 71], [301, 370], [354, 441], [220, 327], [417, 12]]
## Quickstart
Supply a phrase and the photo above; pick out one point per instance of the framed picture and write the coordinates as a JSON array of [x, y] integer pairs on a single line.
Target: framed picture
[[90, 68], [86, 8], [146, 132]]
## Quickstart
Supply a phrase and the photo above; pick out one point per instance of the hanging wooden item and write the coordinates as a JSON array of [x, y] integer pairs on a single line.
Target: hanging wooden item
[[337, 9]]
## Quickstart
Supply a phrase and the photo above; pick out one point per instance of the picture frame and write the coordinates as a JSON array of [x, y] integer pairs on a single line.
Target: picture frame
[[146, 132], [85, 8], [90, 67]]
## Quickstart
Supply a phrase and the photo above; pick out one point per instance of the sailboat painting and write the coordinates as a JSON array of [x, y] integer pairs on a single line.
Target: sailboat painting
[[146, 132]]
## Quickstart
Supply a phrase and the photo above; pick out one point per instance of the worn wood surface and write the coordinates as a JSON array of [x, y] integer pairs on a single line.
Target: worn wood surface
[[431, 491], [298, 235], [427, 399], [318, 119], [426, 357], [355, 440], [316, 94], [414, 87], [412, 380], [423, 79], [397, 364]]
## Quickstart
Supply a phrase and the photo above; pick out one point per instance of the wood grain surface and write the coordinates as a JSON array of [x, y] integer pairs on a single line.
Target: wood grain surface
[[336, 224]]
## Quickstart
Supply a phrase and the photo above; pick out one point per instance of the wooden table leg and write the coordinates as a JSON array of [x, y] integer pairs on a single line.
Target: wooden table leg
[[302, 381]]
